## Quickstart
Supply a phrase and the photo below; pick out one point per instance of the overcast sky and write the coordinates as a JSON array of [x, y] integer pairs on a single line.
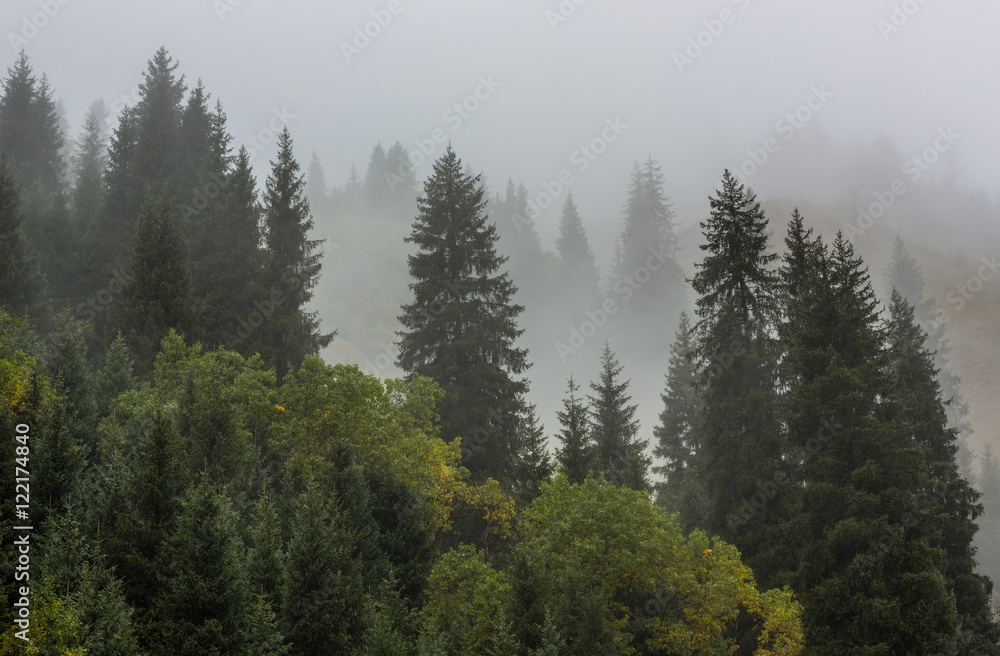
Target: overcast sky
[[557, 82]]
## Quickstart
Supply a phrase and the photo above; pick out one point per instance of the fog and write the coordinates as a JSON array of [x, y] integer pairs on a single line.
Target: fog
[[699, 87]]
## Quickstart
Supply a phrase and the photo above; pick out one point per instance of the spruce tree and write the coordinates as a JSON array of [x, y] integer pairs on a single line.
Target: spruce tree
[[532, 465], [145, 151], [46, 133], [401, 181], [739, 433], [376, 188], [323, 596], [232, 280], [868, 573], [618, 453], [575, 458], [205, 606], [577, 266], [461, 327], [89, 163], [917, 395], [157, 288], [316, 191], [676, 437], [115, 376], [645, 274], [30, 133], [69, 370], [292, 266], [904, 274], [17, 105], [21, 284]]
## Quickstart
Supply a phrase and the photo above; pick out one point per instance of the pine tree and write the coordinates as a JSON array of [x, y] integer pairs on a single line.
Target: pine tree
[[461, 327], [205, 606], [21, 285], [156, 295], [323, 598], [292, 265], [676, 438], [575, 458], [867, 573], [618, 453], [918, 397], [532, 464], [577, 265], [739, 434]]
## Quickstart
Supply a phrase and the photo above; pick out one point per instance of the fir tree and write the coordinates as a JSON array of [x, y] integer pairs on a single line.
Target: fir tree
[[292, 265], [575, 458], [156, 295], [461, 327], [532, 465], [739, 434], [618, 453], [676, 439]]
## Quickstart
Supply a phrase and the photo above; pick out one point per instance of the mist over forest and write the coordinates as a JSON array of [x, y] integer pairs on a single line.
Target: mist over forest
[[499, 328]]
